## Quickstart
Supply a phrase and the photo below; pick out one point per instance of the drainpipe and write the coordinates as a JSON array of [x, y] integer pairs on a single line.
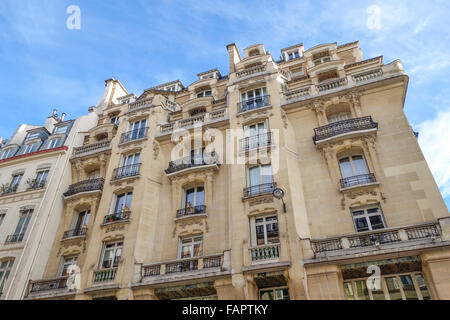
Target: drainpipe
[[38, 214]]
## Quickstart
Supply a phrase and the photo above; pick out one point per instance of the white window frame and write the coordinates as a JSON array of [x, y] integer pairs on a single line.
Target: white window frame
[[114, 246], [127, 194], [350, 157], [195, 239], [7, 153], [185, 190], [367, 216], [264, 223], [260, 174], [15, 181], [339, 116], [53, 143], [204, 93], [245, 94], [70, 261], [275, 291], [5, 271], [29, 148], [57, 128]]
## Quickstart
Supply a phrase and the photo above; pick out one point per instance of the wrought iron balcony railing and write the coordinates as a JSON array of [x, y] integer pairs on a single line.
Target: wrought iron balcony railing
[[191, 211], [48, 284], [105, 275], [376, 237], [134, 135], [253, 103], [344, 126], [126, 171], [256, 141], [33, 185], [85, 186], [358, 180], [266, 252], [259, 189], [116, 217], [183, 265], [14, 238], [192, 161], [81, 232]]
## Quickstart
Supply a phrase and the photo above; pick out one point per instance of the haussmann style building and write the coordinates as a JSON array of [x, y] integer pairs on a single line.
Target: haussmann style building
[[296, 178]]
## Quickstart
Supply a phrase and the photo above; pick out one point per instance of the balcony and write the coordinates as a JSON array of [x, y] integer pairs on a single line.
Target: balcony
[[184, 269], [48, 286], [204, 119], [104, 275], [14, 238], [344, 127], [259, 189], [354, 181], [74, 233], [256, 141], [333, 84], [190, 211], [92, 148], [376, 240], [193, 162], [35, 185], [251, 71], [117, 217], [131, 170], [85, 186], [265, 252], [132, 135], [140, 104], [253, 103]]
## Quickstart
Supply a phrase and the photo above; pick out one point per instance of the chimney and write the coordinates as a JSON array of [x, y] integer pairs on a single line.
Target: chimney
[[55, 113], [234, 56], [62, 117]]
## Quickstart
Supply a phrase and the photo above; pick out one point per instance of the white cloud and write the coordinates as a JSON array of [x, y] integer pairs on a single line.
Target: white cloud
[[434, 140]]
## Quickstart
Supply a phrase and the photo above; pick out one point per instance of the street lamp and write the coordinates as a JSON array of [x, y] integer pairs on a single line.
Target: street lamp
[[279, 194]]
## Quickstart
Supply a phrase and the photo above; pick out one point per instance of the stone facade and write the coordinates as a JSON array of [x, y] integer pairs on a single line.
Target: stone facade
[[358, 196]]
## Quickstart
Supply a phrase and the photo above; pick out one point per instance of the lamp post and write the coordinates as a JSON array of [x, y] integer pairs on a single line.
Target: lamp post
[[279, 194]]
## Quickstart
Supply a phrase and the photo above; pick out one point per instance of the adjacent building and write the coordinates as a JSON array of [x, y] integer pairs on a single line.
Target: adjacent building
[[295, 178]]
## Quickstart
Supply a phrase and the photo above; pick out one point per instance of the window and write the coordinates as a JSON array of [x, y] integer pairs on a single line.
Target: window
[[252, 99], [280, 293], [205, 93], [190, 247], [409, 286], [321, 57], [293, 55], [5, 269], [67, 265], [22, 225], [111, 255], [195, 197], [30, 148], [41, 178], [259, 175], [60, 129], [340, 116], [2, 216], [114, 120], [266, 230], [138, 129], [368, 219], [15, 182], [34, 135], [7, 154], [353, 166], [81, 221], [256, 135], [130, 164], [54, 143], [123, 202], [94, 175]]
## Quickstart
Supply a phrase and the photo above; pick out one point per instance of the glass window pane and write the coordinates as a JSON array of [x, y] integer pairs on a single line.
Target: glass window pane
[[393, 288], [361, 290], [266, 295], [200, 197], [361, 224], [260, 235], [408, 287], [348, 290], [422, 287], [360, 165], [376, 222], [346, 168], [254, 176]]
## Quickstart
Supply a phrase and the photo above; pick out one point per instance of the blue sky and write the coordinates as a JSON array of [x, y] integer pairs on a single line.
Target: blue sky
[[144, 43]]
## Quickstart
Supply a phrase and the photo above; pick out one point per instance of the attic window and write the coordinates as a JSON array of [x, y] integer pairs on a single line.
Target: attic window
[[293, 55], [253, 52], [321, 57]]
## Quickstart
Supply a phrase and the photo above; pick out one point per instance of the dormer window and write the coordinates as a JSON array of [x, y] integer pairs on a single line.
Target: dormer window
[[30, 148], [8, 153], [321, 57], [293, 55], [53, 143], [60, 130], [204, 93], [32, 136]]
